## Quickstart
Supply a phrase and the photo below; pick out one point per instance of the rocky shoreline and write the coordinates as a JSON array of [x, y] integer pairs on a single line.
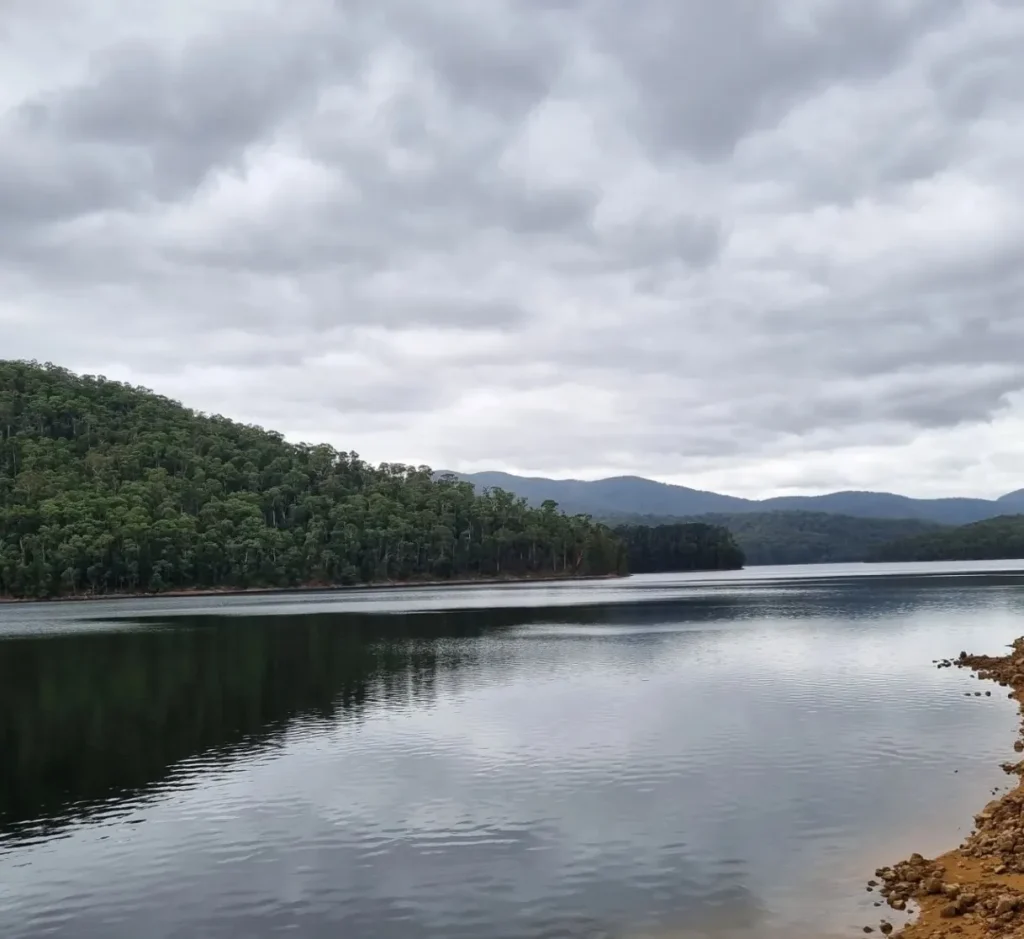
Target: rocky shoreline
[[977, 889]]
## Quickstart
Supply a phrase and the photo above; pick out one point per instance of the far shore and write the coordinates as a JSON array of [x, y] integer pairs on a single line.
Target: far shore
[[488, 581], [977, 889]]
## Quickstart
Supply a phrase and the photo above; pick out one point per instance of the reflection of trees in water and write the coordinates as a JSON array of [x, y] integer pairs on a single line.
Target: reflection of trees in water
[[91, 716], [88, 717]]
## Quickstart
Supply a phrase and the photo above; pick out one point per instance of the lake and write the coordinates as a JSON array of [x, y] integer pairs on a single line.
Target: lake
[[665, 756]]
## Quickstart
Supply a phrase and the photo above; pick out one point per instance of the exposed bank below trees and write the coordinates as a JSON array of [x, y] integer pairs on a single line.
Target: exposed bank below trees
[[186, 592]]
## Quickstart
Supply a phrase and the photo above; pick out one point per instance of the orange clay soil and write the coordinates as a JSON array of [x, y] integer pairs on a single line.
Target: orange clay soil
[[978, 889]]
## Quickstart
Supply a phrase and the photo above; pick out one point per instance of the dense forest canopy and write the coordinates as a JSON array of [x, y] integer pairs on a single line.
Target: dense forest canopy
[[814, 537], [799, 537], [692, 546], [109, 488], [995, 539]]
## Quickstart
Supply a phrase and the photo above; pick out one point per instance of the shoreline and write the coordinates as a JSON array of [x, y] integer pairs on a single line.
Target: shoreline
[[976, 889], [185, 592]]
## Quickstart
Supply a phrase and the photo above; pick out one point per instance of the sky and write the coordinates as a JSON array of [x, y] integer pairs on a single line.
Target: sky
[[759, 248]]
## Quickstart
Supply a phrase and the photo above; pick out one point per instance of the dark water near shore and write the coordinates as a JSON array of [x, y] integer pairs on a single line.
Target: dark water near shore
[[663, 756]]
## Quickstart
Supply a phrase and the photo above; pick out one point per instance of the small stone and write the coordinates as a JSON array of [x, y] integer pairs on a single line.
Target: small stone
[[885, 928]]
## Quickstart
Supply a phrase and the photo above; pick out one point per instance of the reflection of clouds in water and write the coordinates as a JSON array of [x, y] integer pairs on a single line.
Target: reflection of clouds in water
[[689, 744], [522, 884], [507, 778], [497, 884]]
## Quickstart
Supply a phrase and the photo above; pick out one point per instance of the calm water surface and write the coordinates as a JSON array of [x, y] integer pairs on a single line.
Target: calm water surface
[[662, 756]]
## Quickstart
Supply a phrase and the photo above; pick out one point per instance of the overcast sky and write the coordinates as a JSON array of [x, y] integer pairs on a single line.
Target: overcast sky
[[750, 246]]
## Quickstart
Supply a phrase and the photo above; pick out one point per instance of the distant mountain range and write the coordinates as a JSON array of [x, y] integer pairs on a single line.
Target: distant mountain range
[[629, 496]]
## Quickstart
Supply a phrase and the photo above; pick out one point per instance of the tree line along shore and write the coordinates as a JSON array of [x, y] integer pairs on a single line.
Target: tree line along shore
[[108, 489]]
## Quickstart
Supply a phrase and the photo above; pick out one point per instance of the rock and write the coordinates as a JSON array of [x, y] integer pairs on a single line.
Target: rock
[[1005, 904], [885, 929]]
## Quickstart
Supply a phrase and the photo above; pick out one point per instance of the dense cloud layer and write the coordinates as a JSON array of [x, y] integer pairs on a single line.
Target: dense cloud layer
[[747, 246]]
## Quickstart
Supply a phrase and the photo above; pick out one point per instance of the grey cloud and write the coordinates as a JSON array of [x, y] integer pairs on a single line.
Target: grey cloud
[[690, 240], [711, 73], [496, 61], [150, 122], [678, 238], [969, 83]]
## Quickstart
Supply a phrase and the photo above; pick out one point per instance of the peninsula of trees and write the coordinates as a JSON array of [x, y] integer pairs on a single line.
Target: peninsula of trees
[[106, 488]]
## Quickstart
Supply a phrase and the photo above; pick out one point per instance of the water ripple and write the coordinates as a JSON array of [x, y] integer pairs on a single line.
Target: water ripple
[[706, 763]]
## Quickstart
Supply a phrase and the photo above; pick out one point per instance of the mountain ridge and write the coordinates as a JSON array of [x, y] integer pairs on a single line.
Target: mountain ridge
[[617, 496]]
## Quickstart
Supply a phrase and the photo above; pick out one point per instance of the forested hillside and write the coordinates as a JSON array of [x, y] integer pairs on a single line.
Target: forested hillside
[[692, 546], [798, 537], [814, 537], [109, 488], [995, 539]]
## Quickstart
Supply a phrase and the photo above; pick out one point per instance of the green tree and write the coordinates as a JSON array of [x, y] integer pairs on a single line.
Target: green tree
[[685, 546], [110, 488]]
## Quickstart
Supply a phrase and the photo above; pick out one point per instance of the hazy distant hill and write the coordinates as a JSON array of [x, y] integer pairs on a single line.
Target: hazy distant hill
[[619, 495], [633, 495]]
